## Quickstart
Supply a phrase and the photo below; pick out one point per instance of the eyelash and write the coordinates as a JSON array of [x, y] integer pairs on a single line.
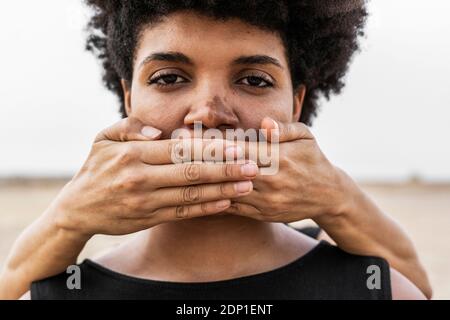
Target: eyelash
[[155, 79], [258, 76]]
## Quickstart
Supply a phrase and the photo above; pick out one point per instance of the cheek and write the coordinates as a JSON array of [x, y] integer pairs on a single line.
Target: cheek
[[158, 111], [278, 107]]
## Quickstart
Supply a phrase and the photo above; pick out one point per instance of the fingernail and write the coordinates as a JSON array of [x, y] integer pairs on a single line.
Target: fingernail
[[275, 131], [249, 169], [223, 204], [233, 152], [150, 132], [243, 186]]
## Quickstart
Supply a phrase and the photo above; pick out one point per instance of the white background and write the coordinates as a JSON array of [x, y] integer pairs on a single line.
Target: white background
[[391, 122]]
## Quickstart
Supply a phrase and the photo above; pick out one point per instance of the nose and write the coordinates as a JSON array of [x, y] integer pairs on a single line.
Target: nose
[[213, 112]]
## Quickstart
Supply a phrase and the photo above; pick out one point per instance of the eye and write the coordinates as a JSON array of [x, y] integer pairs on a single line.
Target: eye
[[256, 80], [166, 79]]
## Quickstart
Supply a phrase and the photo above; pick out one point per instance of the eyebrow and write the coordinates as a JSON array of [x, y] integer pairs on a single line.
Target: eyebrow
[[181, 58], [257, 59], [167, 56]]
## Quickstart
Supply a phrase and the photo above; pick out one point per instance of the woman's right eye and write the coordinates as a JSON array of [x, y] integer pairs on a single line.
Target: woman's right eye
[[163, 80]]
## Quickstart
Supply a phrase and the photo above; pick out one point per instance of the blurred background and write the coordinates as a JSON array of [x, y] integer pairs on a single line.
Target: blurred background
[[389, 129]]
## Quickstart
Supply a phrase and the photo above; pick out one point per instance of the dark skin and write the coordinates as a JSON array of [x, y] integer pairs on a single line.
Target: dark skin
[[222, 90]]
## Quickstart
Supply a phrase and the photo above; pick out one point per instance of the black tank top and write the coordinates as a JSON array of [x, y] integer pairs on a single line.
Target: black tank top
[[325, 272]]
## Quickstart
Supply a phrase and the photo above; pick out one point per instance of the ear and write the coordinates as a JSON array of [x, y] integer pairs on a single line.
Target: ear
[[299, 97], [126, 95]]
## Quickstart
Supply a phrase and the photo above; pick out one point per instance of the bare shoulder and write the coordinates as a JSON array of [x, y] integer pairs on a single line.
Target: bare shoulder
[[403, 289], [296, 242], [112, 258]]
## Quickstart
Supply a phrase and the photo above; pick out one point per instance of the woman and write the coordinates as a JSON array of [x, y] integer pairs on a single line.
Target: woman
[[217, 230]]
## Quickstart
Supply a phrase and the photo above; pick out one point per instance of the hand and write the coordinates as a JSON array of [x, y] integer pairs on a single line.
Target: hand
[[307, 185], [129, 183]]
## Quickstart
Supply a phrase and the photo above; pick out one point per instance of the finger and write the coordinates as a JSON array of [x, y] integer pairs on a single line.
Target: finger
[[282, 132], [168, 197], [254, 198], [177, 213], [260, 152], [218, 150], [172, 151], [128, 129], [242, 209], [183, 174]]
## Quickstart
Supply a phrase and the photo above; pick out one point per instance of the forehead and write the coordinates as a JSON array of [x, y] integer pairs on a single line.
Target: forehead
[[206, 39]]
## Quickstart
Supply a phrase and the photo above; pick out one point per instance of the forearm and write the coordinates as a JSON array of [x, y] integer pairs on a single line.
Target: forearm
[[42, 250], [362, 228]]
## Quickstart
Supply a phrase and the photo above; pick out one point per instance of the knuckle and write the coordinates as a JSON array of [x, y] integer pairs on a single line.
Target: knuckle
[[181, 212], [191, 194], [273, 198], [131, 182], [227, 170], [97, 149], [291, 186], [132, 203], [126, 181], [191, 172], [283, 202], [176, 150], [126, 155], [204, 208], [280, 204], [275, 184], [291, 165], [223, 188]]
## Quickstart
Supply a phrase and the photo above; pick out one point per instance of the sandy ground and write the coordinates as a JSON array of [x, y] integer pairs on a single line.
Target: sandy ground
[[422, 209]]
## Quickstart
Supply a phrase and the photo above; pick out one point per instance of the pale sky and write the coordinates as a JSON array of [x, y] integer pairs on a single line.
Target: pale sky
[[392, 120]]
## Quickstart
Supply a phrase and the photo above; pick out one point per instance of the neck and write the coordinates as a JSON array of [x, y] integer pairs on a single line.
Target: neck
[[211, 247]]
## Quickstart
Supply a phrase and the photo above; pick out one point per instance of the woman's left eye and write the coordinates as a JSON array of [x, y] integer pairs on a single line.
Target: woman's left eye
[[256, 81]]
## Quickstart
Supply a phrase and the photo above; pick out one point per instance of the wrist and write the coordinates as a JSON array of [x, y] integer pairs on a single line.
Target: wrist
[[347, 195], [56, 218]]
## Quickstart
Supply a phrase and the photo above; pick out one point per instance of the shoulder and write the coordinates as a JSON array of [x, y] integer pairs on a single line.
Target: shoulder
[[375, 273], [401, 287], [404, 289], [343, 275]]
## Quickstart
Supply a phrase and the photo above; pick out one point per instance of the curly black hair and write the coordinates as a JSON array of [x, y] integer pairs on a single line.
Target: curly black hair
[[320, 36]]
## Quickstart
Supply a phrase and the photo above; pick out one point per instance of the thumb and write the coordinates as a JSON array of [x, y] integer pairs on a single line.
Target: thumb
[[128, 129], [276, 131]]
